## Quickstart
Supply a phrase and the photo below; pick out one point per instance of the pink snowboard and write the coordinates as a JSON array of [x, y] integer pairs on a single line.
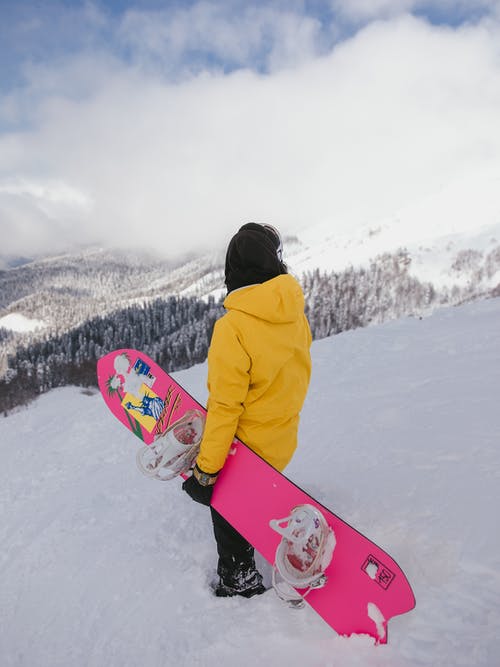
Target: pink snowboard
[[365, 586]]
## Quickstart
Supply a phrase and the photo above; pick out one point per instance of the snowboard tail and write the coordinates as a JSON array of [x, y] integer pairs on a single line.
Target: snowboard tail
[[365, 587]]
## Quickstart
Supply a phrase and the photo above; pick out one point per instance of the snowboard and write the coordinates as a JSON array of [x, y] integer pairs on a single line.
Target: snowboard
[[365, 587]]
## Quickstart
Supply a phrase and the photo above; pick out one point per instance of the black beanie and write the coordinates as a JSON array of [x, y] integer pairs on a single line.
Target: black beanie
[[252, 256]]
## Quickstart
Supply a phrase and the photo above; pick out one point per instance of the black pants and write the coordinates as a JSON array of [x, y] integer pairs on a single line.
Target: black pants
[[234, 551]]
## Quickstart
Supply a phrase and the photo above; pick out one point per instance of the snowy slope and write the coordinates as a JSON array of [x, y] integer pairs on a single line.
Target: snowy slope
[[400, 436], [463, 215], [20, 323]]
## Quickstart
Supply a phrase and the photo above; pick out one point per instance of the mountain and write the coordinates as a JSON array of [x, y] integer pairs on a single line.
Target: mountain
[[399, 435], [452, 237], [68, 289], [431, 254], [57, 293]]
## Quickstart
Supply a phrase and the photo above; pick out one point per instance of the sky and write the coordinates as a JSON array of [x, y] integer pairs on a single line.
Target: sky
[[166, 125]]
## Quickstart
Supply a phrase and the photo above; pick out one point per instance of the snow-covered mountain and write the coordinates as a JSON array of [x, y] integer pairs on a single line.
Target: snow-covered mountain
[[399, 435], [61, 292], [439, 232], [444, 260], [64, 291]]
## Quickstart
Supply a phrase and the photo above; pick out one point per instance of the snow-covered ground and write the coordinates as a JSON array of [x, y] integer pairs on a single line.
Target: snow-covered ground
[[20, 323], [400, 435]]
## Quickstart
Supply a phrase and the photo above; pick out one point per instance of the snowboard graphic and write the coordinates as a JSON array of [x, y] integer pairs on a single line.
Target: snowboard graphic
[[365, 586]]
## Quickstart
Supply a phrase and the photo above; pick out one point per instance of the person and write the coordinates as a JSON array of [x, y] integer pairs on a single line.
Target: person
[[259, 368]]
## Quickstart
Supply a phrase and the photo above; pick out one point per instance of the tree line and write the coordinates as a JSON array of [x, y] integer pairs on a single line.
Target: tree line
[[175, 332]]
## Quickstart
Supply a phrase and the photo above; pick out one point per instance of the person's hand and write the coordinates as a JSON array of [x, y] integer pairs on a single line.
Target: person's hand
[[200, 486]]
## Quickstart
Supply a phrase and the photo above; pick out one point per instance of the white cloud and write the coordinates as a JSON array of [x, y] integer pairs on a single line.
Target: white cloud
[[206, 30], [388, 117], [366, 10], [51, 194], [362, 10], [42, 215]]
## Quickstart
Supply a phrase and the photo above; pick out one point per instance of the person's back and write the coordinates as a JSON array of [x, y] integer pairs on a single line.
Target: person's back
[[271, 368]]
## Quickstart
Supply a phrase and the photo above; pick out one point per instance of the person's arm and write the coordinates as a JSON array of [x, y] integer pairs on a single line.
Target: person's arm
[[228, 381]]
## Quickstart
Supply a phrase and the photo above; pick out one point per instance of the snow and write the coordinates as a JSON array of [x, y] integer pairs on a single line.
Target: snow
[[20, 323], [462, 215], [399, 435], [377, 617]]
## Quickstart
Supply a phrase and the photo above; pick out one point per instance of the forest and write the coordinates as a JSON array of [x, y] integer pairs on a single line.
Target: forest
[[175, 332]]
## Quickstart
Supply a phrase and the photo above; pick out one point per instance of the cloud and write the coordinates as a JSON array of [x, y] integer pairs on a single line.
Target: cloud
[[362, 10], [207, 33], [116, 152], [41, 215], [447, 11]]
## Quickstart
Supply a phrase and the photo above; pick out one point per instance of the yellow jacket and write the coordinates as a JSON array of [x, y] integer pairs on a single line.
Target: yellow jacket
[[259, 367]]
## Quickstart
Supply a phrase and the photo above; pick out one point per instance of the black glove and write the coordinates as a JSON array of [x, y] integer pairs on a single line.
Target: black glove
[[200, 486]]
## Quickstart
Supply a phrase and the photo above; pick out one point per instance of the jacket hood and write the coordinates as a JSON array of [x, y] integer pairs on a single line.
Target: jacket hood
[[253, 256], [278, 300]]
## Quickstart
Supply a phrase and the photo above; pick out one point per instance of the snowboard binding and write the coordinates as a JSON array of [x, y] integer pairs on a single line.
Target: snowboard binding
[[304, 553], [175, 450]]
